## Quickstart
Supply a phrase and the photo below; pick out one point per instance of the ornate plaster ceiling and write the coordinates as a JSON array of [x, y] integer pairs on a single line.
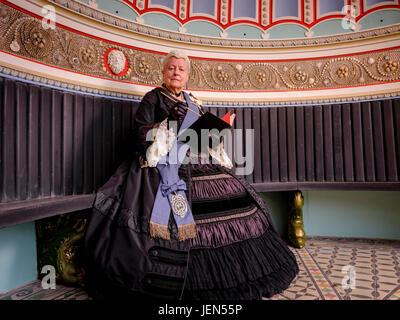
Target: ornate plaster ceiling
[[261, 13], [252, 19], [92, 51]]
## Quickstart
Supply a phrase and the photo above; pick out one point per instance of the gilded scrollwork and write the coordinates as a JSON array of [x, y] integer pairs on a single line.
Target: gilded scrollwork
[[83, 54], [196, 76], [146, 68], [260, 76], [341, 71], [36, 40], [222, 76], [305, 75], [387, 65], [5, 17]]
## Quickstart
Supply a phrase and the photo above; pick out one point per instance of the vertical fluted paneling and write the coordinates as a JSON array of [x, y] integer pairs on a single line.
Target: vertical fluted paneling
[[368, 142], [274, 142], [357, 135], [327, 143], [88, 144], [318, 144], [33, 142], [291, 144], [257, 145], [56, 143], [337, 142], [300, 145], [21, 141], [45, 144], [389, 137], [97, 141], [239, 152], [9, 140], [379, 147], [282, 145], [309, 142], [78, 143], [356, 142], [265, 145], [396, 121], [347, 144], [68, 144]]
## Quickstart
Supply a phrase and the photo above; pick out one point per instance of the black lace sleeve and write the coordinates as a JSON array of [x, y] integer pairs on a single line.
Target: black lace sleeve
[[145, 119], [155, 107]]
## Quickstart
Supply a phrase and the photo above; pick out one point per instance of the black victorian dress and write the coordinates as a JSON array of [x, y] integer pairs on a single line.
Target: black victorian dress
[[235, 254]]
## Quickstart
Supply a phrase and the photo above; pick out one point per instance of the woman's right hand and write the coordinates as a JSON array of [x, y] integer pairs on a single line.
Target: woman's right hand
[[177, 112]]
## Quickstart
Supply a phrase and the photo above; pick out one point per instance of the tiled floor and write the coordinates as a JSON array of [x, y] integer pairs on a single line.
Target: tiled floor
[[330, 269], [346, 269]]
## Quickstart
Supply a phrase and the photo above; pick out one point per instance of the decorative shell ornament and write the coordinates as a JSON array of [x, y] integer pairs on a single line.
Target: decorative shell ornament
[[116, 60]]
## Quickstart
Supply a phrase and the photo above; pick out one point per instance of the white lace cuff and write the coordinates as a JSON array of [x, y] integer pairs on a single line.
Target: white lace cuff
[[164, 139], [220, 155]]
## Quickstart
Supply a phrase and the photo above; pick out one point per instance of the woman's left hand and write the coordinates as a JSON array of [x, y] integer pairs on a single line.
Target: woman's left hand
[[232, 117]]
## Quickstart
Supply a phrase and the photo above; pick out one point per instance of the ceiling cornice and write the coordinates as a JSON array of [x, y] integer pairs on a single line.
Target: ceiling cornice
[[134, 27], [76, 51]]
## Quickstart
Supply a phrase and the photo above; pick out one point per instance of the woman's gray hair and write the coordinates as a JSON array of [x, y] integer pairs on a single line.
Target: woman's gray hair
[[176, 54]]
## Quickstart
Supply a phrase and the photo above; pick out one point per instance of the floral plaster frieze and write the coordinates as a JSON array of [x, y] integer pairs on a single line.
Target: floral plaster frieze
[[24, 36]]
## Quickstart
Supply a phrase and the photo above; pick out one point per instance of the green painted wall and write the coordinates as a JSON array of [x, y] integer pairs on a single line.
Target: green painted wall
[[203, 28], [17, 256], [380, 19], [366, 214], [286, 31], [244, 32], [115, 7], [161, 21], [360, 214]]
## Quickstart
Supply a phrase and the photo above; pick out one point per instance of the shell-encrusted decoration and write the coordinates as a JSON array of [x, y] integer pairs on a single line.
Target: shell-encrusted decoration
[[116, 61]]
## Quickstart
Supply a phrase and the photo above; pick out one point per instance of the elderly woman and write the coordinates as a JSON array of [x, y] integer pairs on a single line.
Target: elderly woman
[[166, 228]]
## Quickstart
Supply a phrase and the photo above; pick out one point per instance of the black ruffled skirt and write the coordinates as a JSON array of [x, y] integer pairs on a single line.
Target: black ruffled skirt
[[237, 254]]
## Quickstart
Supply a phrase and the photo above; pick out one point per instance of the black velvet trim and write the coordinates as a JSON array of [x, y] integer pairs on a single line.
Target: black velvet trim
[[205, 207], [169, 256], [200, 170], [162, 286], [249, 269], [222, 197]]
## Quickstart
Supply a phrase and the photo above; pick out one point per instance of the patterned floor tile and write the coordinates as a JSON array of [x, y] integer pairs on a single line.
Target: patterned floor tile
[[374, 263], [325, 264]]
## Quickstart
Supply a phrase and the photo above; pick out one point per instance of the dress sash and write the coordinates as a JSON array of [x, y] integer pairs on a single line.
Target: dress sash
[[171, 190]]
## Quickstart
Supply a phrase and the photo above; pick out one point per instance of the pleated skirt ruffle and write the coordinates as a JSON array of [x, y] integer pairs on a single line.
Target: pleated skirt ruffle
[[237, 253]]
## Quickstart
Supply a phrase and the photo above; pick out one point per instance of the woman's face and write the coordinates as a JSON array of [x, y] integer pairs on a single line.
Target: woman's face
[[176, 74]]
